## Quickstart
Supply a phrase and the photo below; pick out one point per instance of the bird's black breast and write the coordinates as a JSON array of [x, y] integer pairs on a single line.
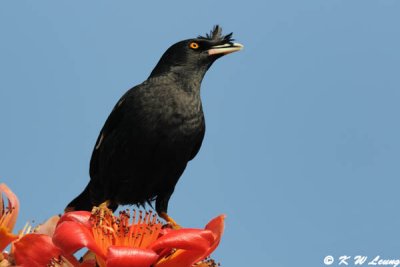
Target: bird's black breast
[[146, 142]]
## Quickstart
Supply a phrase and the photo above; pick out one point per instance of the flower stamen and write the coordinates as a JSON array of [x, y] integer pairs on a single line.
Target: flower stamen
[[108, 230]]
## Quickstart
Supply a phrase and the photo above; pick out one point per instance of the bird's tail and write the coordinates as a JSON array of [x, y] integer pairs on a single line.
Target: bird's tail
[[81, 202]]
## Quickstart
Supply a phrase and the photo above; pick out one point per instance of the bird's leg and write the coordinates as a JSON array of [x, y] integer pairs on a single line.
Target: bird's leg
[[170, 222], [162, 207]]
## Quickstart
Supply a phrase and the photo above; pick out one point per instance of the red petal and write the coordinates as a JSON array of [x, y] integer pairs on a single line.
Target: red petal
[[77, 216], [71, 236], [181, 258], [217, 226], [188, 239], [119, 256], [35, 250], [186, 258]]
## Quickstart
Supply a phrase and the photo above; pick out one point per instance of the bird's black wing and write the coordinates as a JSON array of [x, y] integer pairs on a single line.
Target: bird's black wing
[[111, 124], [199, 140], [133, 156]]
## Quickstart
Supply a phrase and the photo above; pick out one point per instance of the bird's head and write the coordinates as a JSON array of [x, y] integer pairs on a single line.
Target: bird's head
[[196, 55]]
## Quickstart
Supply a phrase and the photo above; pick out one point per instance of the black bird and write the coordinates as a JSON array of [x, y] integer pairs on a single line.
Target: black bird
[[154, 130]]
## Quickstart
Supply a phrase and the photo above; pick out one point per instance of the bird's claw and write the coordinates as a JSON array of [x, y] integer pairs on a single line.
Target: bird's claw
[[171, 223]]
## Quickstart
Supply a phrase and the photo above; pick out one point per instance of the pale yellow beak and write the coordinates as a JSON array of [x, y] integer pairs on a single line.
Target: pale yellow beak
[[225, 49]]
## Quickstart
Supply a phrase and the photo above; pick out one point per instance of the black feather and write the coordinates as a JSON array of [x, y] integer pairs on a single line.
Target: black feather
[[216, 36]]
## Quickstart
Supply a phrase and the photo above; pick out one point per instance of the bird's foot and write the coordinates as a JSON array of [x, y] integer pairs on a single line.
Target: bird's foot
[[171, 223]]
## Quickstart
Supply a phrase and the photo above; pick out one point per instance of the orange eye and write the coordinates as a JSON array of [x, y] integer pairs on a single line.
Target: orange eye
[[194, 45]]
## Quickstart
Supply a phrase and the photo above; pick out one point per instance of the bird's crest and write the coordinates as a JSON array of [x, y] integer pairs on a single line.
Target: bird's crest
[[216, 36]]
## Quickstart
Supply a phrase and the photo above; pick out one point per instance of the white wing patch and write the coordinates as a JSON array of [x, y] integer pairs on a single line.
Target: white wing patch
[[100, 141], [120, 102]]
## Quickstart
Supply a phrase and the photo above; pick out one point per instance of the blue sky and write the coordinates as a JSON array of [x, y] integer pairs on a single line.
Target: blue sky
[[302, 147]]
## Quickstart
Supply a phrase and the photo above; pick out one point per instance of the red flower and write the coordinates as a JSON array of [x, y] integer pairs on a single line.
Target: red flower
[[8, 216], [141, 243], [37, 249]]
